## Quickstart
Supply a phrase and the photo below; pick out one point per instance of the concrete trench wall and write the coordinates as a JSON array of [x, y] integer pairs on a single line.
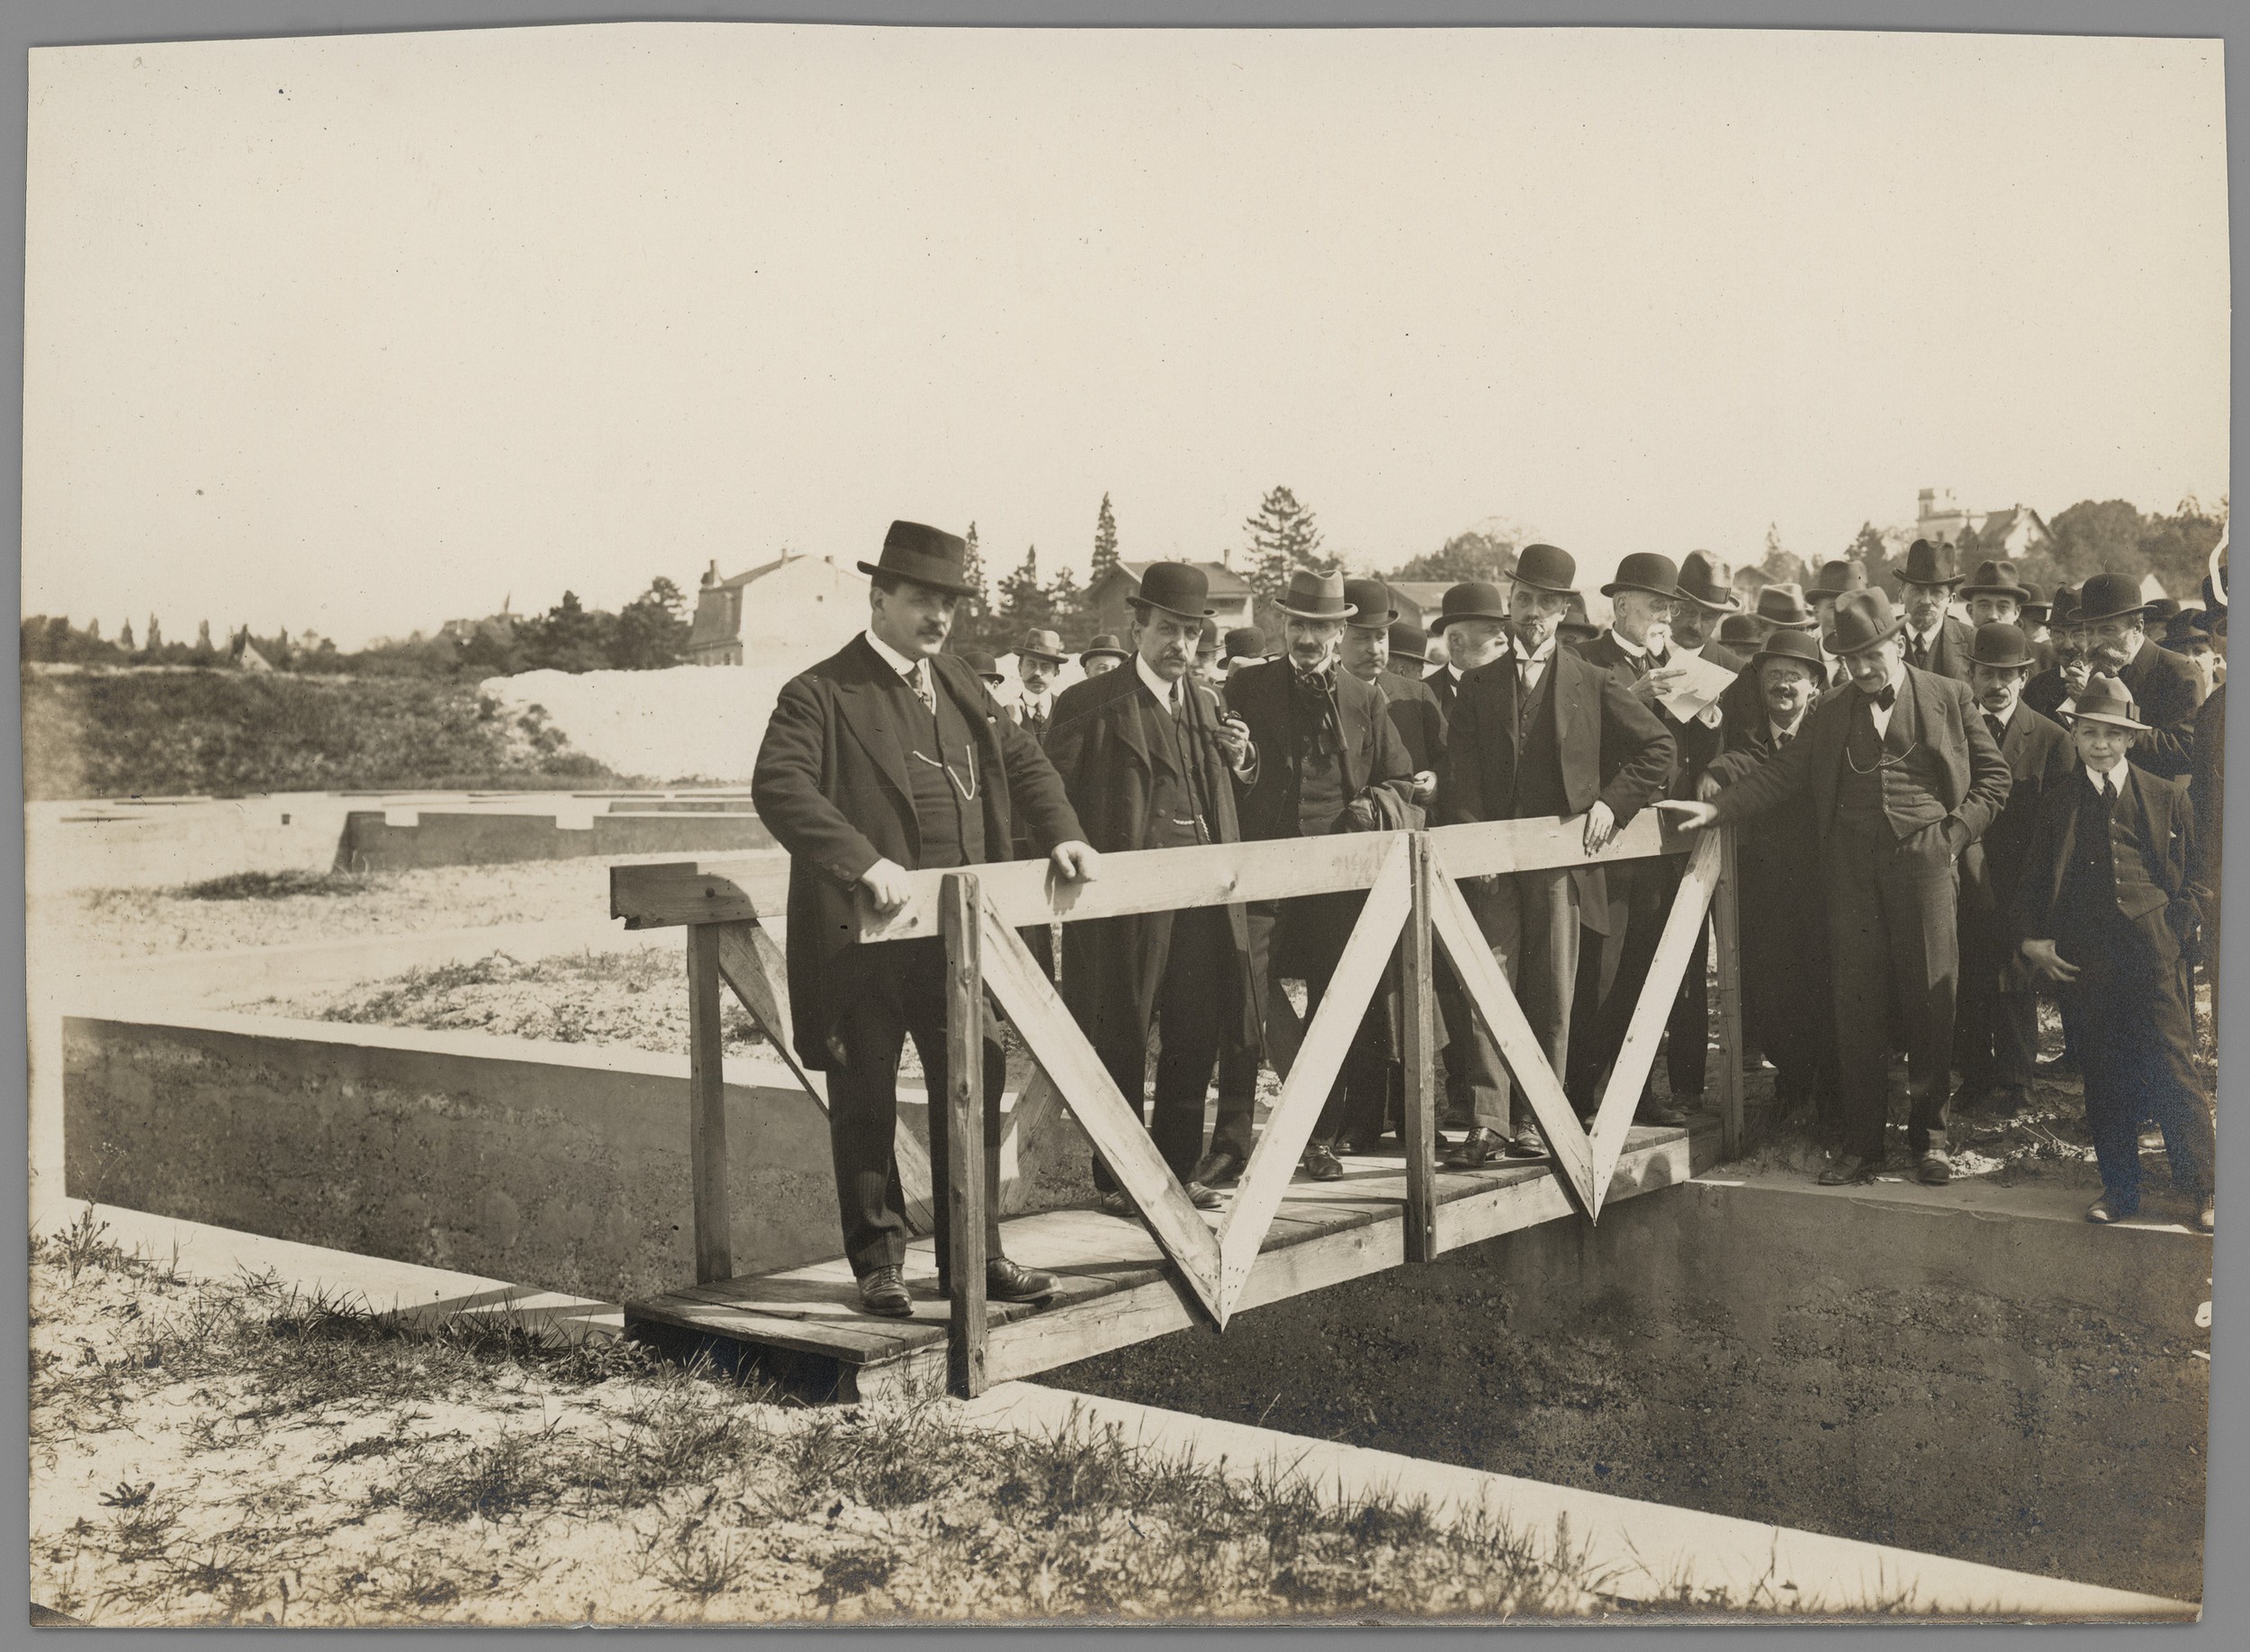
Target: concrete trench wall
[[371, 843], [552, 1165], [2004, 1385]]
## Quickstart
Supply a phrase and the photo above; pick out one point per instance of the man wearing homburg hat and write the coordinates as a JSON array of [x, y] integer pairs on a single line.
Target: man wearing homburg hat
[[1472, 619], [1996, 597], [1933, 640], [887, 756], [1996, 1033], [1781, 606], [1150, 760], [2163, 685], [1324, 759], [1903, 775], [1540, 731], [1037, 661]]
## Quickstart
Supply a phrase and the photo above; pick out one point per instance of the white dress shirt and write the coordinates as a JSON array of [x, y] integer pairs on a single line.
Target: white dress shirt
[[1168, 694], [1530, 666], [2107, 782], [916, 671], [1880, 712]]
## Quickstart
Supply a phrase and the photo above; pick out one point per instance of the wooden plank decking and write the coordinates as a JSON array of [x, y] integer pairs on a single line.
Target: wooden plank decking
[[1116, 1288]]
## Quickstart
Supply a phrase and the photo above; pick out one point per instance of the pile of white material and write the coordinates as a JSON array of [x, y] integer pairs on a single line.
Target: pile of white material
[[688, 722]]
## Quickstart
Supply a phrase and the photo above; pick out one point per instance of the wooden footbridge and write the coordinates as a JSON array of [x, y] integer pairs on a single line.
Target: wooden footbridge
[[1123, 1280]]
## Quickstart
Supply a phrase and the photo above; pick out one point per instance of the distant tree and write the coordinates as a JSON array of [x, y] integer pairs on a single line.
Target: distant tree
[[1067, 602], [1969, 546], [652, 630], [2094, 537], [1779, 563], [975, 622], [568, 637], [1023, 601], [1867, 548], [1474, 554], [489, 651], [93, 630], [1284, 538], [2177, 548], [1104, 543], [156, 635], [203, 653], [125, 636]]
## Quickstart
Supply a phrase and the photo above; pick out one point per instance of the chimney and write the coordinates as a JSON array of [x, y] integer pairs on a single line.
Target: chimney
[[711, 574]]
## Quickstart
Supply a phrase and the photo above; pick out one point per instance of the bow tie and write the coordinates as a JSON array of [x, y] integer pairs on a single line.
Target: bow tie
[[1888, 698]]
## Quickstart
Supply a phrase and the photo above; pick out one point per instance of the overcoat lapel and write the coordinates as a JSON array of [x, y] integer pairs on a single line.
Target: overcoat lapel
[[1829, 734], [868, 715]]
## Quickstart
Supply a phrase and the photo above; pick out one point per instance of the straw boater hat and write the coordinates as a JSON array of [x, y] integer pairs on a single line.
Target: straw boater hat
[[1046, 645], [1930, 564], [927, 556], [1370, 601], [1408, 641], [1836, 578], [1315, 596], [1104, 645], [1474, 599], [1246, 643], [1795, 645], [1783, 604], [1176, 588], [1547, 568], [2003, 647], [983, 664], [2110, 596], [1863, 619], [1708, 582], [2104, 699], [1997, 579], [1646, 570]]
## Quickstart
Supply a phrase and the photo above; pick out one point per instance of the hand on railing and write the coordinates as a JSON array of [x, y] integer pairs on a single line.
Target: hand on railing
[[887, 885], [1689, 816], [1076, 863], [1601, 826]]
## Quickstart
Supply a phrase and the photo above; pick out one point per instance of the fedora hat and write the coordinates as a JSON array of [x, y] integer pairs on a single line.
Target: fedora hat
[[2063, 611], [1046, 645], [1371, 602], [1797, 645], [1997, 579], [2188, 626], [926, 555], [1104, 645], [1836, 578], [1740, 630], [2104, 699], [1708, 582], [1784, 605], [1246, 643], [1474, 600], [1645, 571], [1547, 568], [1931, 563], [1577, 622], [1408, 641], [1315, 596], [983, 664], [2109, 595], [1863, 619], [1207, 640], [1176, 588], [2001, 646]]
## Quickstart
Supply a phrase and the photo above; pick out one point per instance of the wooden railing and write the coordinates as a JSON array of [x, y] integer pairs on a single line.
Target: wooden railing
[[1414, 904]]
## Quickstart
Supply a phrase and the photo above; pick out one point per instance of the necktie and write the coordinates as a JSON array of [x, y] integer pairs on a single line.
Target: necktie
[[1782, 737], [1921, 654], [918, 680], [1992, 723]]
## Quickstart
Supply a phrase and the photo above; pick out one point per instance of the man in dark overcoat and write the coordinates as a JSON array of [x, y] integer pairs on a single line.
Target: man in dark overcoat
[[1996, 595], [2165, 687], [1148, 760], [1933, 640], [890, 756]]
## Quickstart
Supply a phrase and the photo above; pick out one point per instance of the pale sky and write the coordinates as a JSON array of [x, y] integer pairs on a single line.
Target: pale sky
[[362, 333]]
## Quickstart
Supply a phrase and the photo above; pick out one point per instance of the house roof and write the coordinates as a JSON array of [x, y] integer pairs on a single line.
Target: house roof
[[759, 572], [1224, 581], [1999, 524]]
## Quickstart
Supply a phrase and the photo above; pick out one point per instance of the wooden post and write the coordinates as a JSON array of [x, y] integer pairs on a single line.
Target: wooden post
[[1421, 1102], [706, 1110], [1726, 930], [959, 916]]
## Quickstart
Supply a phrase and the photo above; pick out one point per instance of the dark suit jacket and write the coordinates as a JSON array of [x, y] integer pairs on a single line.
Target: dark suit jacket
[[2040, 757], [2167, 833], [1776, 855], [1373, 754], [2206, 789], [830, 785], [1950, 654], [1613, 751], [1973, 780], [1108, 742], [1417, 717], [2047, 691], [2168, 691], [1439, 680], [1693, 743]]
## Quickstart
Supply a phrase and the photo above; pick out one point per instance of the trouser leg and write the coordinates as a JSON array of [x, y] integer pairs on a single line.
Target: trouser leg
[[1858, 951], [1548, 922], [1499, 920], [1920, 888], [2112, 1116], [871, 1028], [1976, 1026], [1687, 1029], [1124, 1054], [1190, 1010], [1235, 1129], [925, 1007]]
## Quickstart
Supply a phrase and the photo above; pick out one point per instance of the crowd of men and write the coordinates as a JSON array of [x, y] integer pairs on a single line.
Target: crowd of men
[[1939, 818]]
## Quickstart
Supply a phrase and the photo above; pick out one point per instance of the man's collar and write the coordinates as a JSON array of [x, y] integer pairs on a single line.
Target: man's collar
[[2139, 642], [1928, 637], [2116, 784], [1155, 685], [1680, 651], [1453, 670], [1774, 728], [890, 656], [1635, 650], [2005, 722], [1546, 649]]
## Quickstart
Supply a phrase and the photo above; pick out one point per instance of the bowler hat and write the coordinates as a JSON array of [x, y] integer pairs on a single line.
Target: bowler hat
[[1547, 568], [1472, 600], [1246, 643], [1408, 641], [2161, 611], [2063, 611], [1737, 629], [1863, 619], [1708, 582], [1315, 596], [1176, 588], [983, 664], [2001, 646], [1046, 645], [1577, 622], [1836, 578], [2104, 699], [2188, 626], [1929, 563], [1997, 579], [1371, 602], [2110, 596], [1104, 645], [2035, 606], [1797, 645], [1784, 605], [1645, 571], [1207, 640], [926, 555]]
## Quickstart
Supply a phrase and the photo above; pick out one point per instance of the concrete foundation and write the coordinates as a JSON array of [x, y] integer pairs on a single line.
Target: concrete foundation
[[372, 843], [1971, 1371]]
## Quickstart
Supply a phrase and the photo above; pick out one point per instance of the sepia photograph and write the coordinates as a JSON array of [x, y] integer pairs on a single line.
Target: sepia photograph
[[841, 823]]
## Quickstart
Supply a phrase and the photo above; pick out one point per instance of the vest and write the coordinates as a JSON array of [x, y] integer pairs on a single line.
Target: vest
[[2107, 875], [1318, 776], [1891, 784], [1179, 816], [952, 825], [1538, 789]]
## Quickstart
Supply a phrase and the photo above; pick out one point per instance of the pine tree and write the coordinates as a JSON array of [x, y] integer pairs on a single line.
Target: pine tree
[[1104, 543], [125, 636], [1284, 538], [156, 636], [973, 575], [1023, 601], [1067, 605]]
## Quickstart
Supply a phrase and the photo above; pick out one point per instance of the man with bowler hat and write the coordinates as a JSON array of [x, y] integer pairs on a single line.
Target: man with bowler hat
[[1540, 731], [1837, 579], [1997, 1022], [2052, 691], [1366, 653], [1150, 760], [889, 756], [1472, 619], [1933, 640], [1245, 646], [2163, 685], [1037, 661], [1996, 597], [1903, 775], [1324, 759], [1103, 654]]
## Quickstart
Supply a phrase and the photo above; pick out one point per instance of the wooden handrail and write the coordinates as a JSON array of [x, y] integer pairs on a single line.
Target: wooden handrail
[[1027, 893]]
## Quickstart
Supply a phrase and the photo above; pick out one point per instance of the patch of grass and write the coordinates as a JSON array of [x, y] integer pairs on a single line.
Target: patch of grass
[[282, 885]]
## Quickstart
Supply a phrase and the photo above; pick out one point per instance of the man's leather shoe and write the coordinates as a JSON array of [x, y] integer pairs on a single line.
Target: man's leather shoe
[[884, 1291], [1477, 1149], [1217, 1170], [1933, 1168], [2106, 1209], [1321, 1165], [1527, 1142], [2207, 1218], [1659, 1113], [1009, 1281], [1202, 1197], [1847, 1170], [1117, 1203]]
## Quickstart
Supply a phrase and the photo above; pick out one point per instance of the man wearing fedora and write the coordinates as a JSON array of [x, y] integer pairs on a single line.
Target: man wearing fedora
[[1366, 652], [1996, 1033], [1781, 606], [1788, 1010], [1037, 661], [1540, 731], [1150, 760], [1103, 654], [1934, 641], [1324, 757], [889, 756], [2052, 691], [2111, 891], [1903, 775], [1995, 596], [2163, 685], [1473, 623], [1837, 579], [1245, 646]]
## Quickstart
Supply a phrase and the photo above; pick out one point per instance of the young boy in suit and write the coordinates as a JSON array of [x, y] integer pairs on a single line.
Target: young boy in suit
[[2111, 890]]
